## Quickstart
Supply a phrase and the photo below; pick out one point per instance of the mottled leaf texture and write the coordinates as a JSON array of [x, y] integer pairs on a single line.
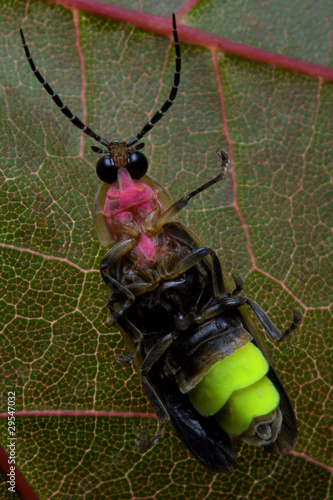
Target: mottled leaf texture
[[79, 412]]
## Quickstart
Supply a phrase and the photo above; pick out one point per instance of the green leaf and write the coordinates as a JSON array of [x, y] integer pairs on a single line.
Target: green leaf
[[269, 222]]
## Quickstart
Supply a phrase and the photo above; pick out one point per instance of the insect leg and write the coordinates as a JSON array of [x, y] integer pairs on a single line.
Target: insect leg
[[152, 357], [270, 328], [194, 258], [227, 300], [235, 302], [67, 112], [176, 207], [135, 335], [120, 294], [119, 250], [221, 282]]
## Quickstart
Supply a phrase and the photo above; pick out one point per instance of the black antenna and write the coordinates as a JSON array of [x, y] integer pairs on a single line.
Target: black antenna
[[67, 112], [168, 103]]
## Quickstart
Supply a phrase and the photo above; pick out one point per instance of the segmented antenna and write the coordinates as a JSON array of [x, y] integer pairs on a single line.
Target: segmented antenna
[[168, 103], [67, 112]]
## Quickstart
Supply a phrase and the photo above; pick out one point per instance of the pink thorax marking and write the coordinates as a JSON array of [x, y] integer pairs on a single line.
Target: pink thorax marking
[[128, 202]]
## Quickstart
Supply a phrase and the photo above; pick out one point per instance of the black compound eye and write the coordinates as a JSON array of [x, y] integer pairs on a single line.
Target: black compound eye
[[137, 165], [106, 170]]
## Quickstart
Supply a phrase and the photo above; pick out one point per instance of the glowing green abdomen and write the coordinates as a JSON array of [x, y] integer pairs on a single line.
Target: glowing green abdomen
[[237, 386]]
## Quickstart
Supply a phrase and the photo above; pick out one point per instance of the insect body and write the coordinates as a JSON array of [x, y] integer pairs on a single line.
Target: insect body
[[201, 366]]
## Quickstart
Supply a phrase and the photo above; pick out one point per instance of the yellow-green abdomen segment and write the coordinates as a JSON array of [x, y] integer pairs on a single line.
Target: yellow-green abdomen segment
[[236, 390]]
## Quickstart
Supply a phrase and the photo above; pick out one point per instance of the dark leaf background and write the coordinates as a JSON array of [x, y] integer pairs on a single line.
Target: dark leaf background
[[269, 221]]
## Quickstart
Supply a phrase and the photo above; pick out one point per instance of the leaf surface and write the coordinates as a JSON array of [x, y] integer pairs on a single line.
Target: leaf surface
[[269, 221]]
